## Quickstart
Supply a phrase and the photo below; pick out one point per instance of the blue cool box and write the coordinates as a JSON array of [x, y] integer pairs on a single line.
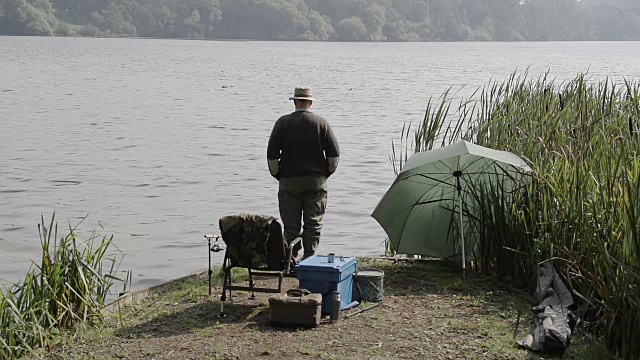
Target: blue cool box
[[321, 277]]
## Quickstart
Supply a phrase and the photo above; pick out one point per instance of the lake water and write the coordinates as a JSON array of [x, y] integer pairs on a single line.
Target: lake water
[[155, 140]]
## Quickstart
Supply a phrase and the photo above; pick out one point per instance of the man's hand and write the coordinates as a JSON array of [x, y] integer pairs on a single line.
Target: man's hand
[[274, 168]]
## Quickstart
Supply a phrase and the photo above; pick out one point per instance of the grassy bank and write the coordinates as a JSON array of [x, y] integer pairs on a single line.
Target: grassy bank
[[581, 138], [427, 313], [68, 287]]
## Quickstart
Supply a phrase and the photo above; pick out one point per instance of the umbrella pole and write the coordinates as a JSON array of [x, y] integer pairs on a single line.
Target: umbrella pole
[[464, 260], [458, 174]]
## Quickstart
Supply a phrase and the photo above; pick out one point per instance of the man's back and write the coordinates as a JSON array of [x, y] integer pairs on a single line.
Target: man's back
[[302, 141]]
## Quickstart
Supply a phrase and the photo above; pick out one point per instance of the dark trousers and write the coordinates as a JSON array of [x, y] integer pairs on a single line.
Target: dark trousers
[[302, 202]]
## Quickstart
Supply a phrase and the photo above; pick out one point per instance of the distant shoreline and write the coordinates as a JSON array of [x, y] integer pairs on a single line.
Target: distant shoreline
[[311, 41]]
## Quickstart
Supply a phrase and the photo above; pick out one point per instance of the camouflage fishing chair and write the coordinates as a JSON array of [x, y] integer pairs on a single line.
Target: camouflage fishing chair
[[256, 243]]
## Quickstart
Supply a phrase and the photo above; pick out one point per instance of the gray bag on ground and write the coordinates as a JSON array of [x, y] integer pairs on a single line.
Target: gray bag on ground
[[555, 316], [296, 308]]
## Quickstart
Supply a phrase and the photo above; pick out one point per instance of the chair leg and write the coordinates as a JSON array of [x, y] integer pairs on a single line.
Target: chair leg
[[287, 268], [226, 282], [290, 264], [253, 295], [226, 286], [223, 296], [280, 278], [229, 282]]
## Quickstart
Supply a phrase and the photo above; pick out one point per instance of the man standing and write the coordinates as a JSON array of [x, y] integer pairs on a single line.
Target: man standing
[[302, 153]]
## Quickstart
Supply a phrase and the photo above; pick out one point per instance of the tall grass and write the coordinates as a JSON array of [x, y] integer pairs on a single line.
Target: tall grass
[[581, 139], [68, 286]]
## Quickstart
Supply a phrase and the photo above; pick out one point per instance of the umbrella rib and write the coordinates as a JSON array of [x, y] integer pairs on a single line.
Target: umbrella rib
[[451, 170], [440, 172], [426, 176], [506, 172], [428, 202], [497, 163], [472, 163], [503, 171]]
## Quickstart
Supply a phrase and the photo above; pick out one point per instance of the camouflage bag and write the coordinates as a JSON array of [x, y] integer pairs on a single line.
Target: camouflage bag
[[253, 241]]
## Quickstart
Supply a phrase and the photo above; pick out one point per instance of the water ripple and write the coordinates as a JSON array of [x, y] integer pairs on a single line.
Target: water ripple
[[65, 182]]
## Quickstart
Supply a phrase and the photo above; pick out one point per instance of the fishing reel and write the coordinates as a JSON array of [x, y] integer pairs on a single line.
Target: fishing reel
[[216, 246]]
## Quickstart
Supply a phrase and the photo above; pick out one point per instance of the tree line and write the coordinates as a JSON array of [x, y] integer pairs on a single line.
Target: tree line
[[328, 20]]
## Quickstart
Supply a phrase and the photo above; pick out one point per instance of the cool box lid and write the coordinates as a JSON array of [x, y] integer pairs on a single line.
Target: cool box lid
[[317, 266]]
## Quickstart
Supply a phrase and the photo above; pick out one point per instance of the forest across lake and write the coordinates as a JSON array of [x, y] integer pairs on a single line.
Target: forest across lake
[[327, 20]]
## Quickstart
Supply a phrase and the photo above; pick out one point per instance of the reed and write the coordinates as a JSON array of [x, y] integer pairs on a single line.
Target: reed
[[68, 286], [581, 138]]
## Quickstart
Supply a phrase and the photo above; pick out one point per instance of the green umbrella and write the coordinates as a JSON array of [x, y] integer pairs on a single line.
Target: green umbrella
[[418, 210]]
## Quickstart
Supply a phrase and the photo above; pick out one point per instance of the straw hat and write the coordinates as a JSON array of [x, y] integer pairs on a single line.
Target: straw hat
[[303, 93]]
